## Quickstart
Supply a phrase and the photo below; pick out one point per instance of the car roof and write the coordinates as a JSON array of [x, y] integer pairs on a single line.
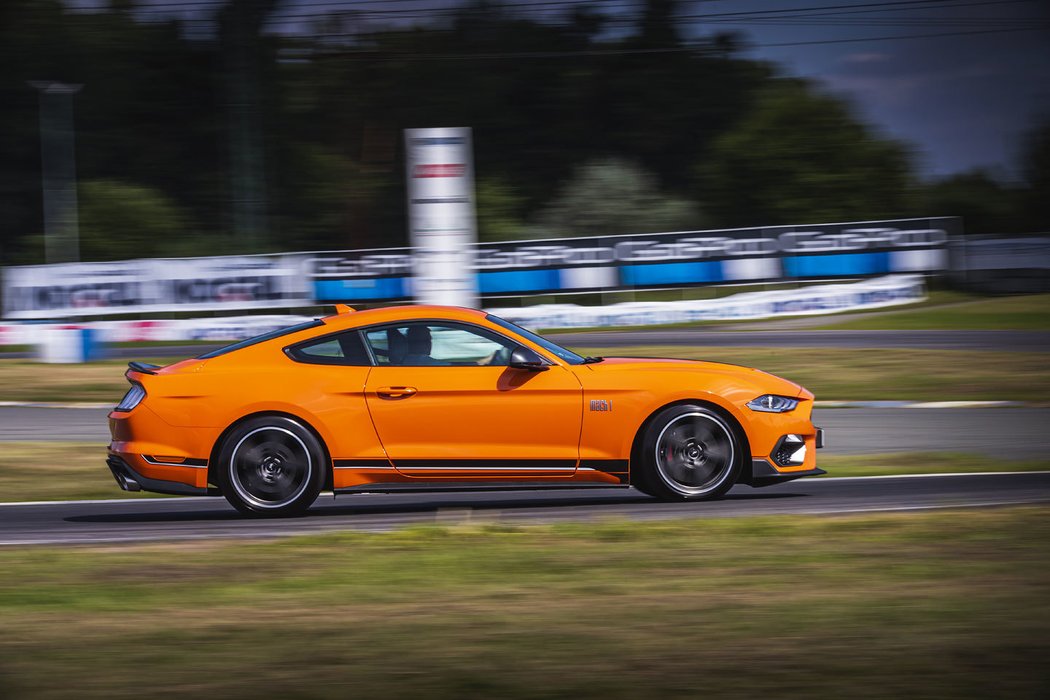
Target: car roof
[[391, 314]]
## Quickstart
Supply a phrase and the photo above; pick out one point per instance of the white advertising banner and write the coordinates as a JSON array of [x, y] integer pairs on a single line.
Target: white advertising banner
[[441, 215], [229, 283], [820, 299]]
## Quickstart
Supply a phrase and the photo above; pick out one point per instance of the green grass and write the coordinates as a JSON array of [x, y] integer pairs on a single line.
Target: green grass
[[952, 604], [103, 381], [58, 471], [831, 373], [1029, 312], [882, 374], [891, 464]]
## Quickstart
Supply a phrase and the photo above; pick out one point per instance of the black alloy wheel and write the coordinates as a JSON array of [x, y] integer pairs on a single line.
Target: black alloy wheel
[[271, 466], [688, 452]]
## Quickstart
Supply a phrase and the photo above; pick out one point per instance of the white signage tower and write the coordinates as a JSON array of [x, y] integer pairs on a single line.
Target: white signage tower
[[441, 215]]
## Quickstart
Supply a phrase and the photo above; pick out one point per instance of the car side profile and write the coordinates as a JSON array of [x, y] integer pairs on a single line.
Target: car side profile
[[427, 397]]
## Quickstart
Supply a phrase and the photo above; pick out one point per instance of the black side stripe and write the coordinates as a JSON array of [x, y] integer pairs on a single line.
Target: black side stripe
[[189, 462], [486, 464], [360, 463]]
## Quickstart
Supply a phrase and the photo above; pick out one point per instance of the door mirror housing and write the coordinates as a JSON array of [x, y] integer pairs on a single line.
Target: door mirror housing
[[526, 359]]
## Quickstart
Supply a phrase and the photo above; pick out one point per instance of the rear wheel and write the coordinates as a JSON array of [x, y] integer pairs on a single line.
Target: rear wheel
[[688, 452], [271, 466]]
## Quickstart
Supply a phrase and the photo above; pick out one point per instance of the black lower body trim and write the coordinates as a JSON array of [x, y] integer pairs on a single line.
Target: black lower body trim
[[400, 486], [763, 474], [620, 468], [482, 464], [130, 480]]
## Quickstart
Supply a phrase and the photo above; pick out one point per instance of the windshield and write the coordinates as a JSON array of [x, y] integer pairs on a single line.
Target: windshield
[[553, 348], [260, 339]]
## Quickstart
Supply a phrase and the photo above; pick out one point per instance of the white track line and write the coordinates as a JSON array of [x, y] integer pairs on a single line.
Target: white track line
[[388, 527], [183, 499]]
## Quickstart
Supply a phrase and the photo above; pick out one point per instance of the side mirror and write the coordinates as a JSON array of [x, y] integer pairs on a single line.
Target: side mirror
[[526, 359]]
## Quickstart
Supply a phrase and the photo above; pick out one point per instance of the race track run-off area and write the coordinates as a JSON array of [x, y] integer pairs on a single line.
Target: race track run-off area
[[202, 518]]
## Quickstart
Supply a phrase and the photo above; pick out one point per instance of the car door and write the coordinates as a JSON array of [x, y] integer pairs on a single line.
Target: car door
[[446, 404]]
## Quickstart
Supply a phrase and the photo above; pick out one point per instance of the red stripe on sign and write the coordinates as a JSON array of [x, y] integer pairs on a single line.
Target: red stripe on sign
[[440, 170]]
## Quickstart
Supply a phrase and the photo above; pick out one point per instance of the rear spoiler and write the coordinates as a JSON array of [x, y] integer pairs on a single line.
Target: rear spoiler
[[143, 367]]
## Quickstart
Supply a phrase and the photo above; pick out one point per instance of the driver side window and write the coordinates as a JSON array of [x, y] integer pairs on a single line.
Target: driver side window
[[434, 343]]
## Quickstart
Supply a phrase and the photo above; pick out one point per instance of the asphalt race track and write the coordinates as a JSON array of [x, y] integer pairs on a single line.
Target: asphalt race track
[[1013, 433], [198, 518], [1002, 432]]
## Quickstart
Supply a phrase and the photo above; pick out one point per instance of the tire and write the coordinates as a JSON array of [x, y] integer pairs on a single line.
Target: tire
[[271, 466], [688, 452]]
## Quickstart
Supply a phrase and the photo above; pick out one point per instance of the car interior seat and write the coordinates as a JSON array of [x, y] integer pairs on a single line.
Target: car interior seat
[[397, 346]]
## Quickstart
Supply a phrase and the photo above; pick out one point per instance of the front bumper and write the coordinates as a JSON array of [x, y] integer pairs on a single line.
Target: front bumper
[[765, 474], [130, 480]]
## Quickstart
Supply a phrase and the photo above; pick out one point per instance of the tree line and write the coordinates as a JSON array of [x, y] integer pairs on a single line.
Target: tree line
[[236, 138]]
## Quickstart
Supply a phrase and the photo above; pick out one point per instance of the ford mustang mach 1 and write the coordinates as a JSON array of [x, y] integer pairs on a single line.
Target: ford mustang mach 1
[[426, 397]]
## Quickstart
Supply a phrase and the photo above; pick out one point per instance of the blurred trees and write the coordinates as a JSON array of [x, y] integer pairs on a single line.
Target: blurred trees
[[576, 130], [1035, 164], [986, 205], [611, 197], [121, 220], [801, 157]]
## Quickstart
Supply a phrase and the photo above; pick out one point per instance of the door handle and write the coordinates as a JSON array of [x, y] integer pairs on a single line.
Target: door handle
[[395, 392]]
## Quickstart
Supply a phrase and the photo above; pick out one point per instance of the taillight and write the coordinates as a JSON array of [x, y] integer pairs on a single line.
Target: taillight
[[131, 399]]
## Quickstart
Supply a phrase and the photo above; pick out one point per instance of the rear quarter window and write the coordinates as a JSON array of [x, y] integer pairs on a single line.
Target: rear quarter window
[[340, 349]]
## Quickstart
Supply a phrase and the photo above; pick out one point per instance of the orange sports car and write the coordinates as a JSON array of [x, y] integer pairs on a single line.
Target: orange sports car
[[426, 397]]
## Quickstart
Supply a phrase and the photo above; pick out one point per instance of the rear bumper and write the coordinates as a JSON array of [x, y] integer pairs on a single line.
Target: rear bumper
[[130, 480]]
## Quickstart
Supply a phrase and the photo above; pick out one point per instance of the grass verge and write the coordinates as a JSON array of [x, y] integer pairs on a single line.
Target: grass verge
[[831, 373], [57, 471], [103, 381], [60, 471], [896, 464], [883, 374], [1028, 312], [922, 605]]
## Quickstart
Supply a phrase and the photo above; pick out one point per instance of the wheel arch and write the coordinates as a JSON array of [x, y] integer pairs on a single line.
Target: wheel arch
[[216, 448], [730, 419]]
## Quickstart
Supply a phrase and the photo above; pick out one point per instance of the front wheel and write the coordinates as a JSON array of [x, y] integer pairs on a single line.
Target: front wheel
[[271, 466], [688, 452]]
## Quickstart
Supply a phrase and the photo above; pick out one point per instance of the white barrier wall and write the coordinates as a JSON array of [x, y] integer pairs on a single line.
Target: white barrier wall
[[821, 299], [219, 330]]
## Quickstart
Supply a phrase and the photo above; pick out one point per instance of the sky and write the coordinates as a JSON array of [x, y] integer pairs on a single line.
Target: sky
[[961, 94], [962, 101]]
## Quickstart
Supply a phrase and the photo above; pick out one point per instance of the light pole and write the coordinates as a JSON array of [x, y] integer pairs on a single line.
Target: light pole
[[59, 171]]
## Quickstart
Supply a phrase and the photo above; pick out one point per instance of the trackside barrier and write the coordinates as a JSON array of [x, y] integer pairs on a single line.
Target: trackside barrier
[[594, 265], [68, 345], [63, 341], [822, 299]]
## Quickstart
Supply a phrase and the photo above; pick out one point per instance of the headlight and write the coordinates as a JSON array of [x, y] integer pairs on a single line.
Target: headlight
[[771, 403], [131, 399]]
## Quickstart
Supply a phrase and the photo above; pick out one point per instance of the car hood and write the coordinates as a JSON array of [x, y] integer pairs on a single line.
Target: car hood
[[770, 382]]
